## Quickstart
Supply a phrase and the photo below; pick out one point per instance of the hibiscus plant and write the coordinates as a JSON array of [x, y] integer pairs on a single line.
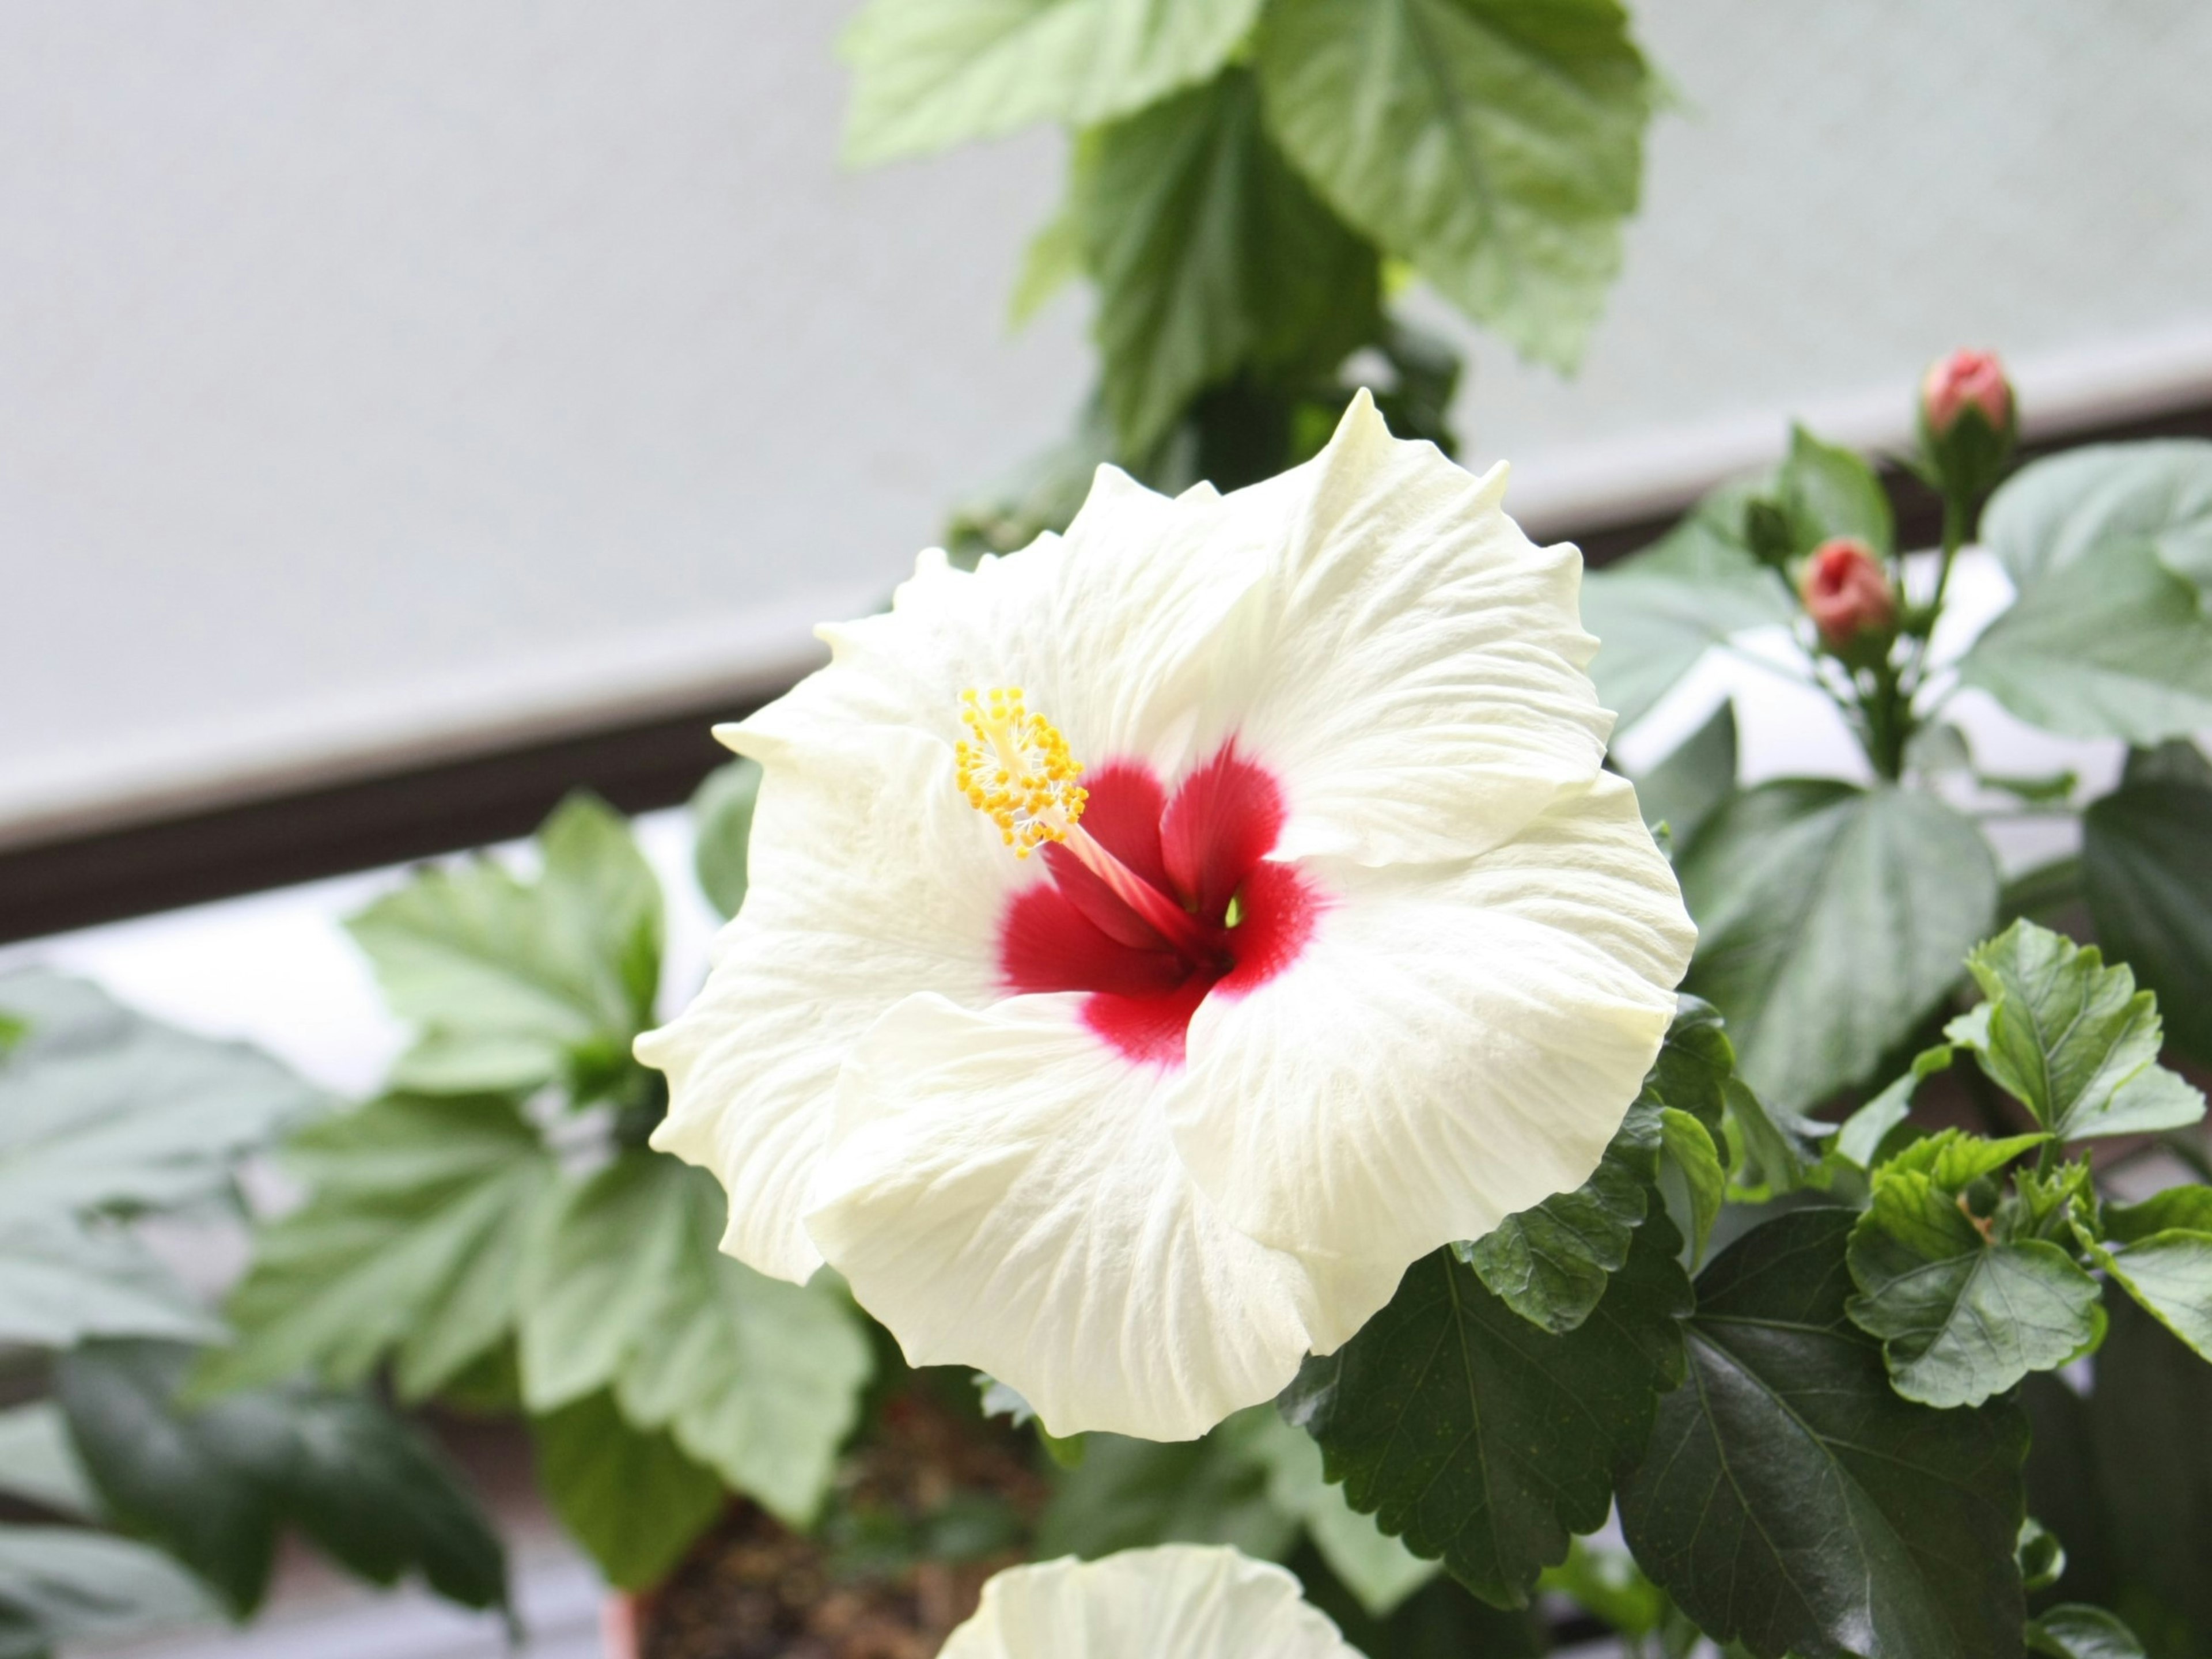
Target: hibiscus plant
[[129, 1505]]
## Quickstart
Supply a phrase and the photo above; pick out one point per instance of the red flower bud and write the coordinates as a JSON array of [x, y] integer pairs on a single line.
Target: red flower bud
[[1961, 380], [1848, 595]]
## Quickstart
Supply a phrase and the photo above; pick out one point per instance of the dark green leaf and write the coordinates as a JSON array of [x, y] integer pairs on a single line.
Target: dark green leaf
[[409, 1246], [1656, 614], [1683, 790], [2071, 1039], [1695, 1065], [1770, 1152], [2073, 1632], [2117, 645], [1480, 1439], [1963, 1314], [2147, 869], [2042, 892], [2178, 760], [1211, 257], [64, 1585], [1128, 1493], [104, 1109], [1497, 147], [214, 1484], [631, 1498], [2075, 507], [517, 984], [1827, 491], [757, 1379], [1832, 920], [929, 74], [1792, 1501], [722, 820]]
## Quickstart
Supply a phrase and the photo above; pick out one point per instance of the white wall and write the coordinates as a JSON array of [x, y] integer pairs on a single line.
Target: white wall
[[375, 374]]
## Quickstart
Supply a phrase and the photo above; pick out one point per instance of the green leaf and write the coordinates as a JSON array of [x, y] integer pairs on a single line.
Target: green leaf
[[1859, 1142], [65, 1584], [1498, 147], [2187, 1208], [1551, 1264], [1770, 1152], [520, 984], [1052, 258], [2146, 870], [1129, 1493], [1790, 1500], [756, 1378], [1693, 1160], [409, 1246], [103, 1108], [1683, 790], [63, 1280], [1478, 1439], [2117, 645], [1211, 257], [1378, 1570], [1657, 613], [1827, 491], [631, 1498], [2178, 760], [2071, 1039], [929, 74], [1696, 1064], [723, 821], [214, 1486], [2075, 507], [2074, 1632], [1832, 920], [1962, 1314], [37, 1462], [2169, 1274]]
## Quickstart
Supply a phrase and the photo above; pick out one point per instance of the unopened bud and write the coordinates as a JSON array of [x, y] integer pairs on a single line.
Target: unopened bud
[[1965, 379], [1847, 594]]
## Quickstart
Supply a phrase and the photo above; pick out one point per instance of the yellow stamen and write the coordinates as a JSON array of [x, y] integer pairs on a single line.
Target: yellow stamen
[[1017, 771]]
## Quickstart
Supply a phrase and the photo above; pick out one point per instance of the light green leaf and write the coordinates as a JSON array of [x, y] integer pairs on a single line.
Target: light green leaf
[[723, 821], [2075, 507], [37, 1462], [1052, 258], [409, 1246], [1657, 613], [1498, 146], [101, 1108], [1962, 1316], [757, 1379], [2071, 1039], [2076, 1631], [1828, 491], [1211, 257], [1790, 1500], [517, 984], [2170, 1274], [63, 1280], [1952, 1159], [2117, 645], [1692, 1159], [632, 1499], [1770, 1152], [1859, 1141], [929, 74], [2146, 871], [1374, 1567], [1478, 1438], [65, 1584], [2189, 1208], [1683, 790], [1832, 920], [214, 1484]]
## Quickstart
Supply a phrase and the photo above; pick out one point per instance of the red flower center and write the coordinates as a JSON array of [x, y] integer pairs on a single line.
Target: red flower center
[[1204, 853]]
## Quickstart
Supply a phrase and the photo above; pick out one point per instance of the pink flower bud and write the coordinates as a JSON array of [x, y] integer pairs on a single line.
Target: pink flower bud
[[1847, 594], [1963, 379]]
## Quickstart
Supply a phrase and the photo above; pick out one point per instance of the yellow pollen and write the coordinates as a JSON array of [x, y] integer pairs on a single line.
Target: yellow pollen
[[1015, 769]]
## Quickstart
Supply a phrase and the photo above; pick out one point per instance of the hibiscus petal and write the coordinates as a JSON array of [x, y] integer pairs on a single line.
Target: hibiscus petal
[[1002, 1192], [872, 878], [1175, 1601], [1454, 1043], [1104, 628], [1411, 665]]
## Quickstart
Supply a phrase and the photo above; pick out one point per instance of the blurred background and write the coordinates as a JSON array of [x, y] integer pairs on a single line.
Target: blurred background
[[409, 412]]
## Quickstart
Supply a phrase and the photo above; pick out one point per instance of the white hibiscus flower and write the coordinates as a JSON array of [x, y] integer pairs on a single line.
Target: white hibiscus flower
[[1176, 1601], [1125, 1035]]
